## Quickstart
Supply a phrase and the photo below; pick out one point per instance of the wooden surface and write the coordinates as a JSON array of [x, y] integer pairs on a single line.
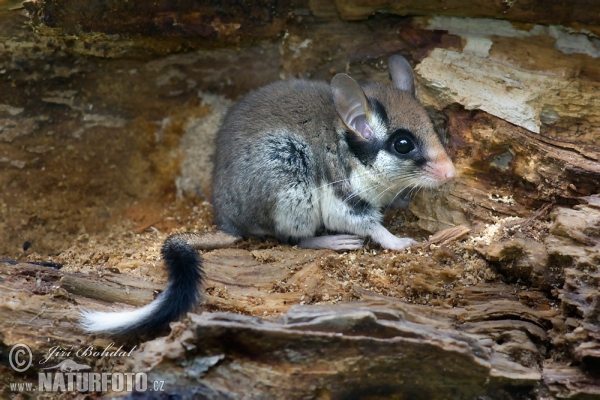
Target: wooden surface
[[97, 130], [490, 337]]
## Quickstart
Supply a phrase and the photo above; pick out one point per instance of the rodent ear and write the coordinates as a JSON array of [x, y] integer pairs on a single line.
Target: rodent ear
[[352, 105], [402, 74]]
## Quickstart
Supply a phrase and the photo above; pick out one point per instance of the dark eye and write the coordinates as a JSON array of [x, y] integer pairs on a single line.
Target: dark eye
[[403, 145]]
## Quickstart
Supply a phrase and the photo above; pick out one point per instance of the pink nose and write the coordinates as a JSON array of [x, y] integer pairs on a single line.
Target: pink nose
[[445, 170], [450, 172]]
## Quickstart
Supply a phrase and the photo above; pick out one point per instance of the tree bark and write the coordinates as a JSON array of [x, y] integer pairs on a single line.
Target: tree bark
[[106, 115]]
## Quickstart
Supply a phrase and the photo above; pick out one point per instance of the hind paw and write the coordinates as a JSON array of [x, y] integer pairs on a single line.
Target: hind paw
[[333, 242]]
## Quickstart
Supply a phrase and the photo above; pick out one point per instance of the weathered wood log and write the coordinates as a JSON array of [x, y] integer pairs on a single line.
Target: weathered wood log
[[335, 350], [94, 128], [497, 336]]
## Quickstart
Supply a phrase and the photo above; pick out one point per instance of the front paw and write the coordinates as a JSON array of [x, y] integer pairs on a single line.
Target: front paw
[[396, 243]]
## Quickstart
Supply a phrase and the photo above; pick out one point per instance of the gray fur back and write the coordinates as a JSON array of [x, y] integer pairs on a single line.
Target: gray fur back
[[272, 144]]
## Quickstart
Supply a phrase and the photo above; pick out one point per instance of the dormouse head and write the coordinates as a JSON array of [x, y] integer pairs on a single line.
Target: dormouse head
[[389, 134]]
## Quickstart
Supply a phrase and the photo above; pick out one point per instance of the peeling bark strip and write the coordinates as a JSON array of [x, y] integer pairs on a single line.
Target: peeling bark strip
[[518, 97]]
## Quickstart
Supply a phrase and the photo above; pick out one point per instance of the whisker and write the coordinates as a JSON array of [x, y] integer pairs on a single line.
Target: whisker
[[358, 192], [412, 190], [412, 182], [348, 179], [394, 198], [407, 179], [333, 183]]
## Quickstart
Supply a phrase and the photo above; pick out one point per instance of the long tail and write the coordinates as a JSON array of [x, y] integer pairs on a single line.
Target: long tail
[[184, 268]]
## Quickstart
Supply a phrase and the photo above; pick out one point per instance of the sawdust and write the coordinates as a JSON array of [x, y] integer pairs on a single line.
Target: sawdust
[[427, 276]]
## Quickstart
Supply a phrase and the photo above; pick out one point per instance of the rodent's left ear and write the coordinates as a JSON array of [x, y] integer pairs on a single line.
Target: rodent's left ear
[[402, 74], [352, 105]]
